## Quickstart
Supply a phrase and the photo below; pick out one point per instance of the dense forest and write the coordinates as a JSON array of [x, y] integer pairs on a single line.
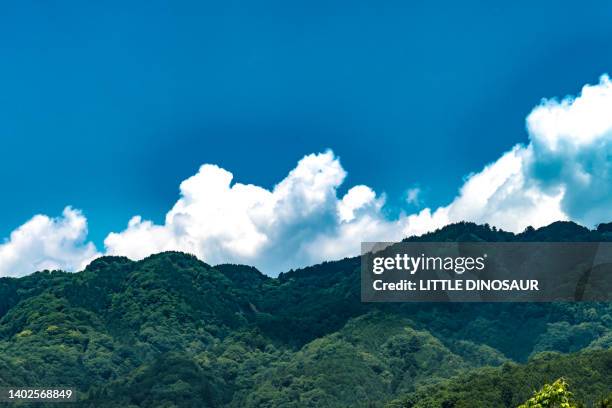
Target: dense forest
[[171, 330]]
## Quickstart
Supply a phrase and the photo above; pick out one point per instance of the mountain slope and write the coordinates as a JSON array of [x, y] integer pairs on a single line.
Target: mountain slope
[[588, 372], [171, 329]]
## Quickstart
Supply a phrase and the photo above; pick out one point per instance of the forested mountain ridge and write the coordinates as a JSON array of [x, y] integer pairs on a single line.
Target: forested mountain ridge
[[171, 330]]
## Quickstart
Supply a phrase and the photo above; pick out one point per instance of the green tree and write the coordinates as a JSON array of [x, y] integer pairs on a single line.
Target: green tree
[[555, 395], [605, 403]]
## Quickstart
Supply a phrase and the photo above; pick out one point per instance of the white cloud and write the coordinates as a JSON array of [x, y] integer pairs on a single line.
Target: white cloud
[[503, 195], [564, 172], [224, 222], [303, 221], [573, 122], [47, 243], [413, 196], [355, 199], [571, 145]]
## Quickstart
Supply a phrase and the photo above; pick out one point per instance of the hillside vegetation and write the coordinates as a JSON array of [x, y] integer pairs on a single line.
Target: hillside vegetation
[[171, 330]]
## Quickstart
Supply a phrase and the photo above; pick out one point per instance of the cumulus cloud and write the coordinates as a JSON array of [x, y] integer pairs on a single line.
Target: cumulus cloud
[[504, 195], [571, 150], [221, 221], [47, 243], [564, 172]]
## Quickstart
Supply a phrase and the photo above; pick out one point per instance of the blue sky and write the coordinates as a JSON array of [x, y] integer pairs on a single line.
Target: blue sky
[[108, 107]]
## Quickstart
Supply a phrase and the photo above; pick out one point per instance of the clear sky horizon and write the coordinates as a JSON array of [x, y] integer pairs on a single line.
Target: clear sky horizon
[[108, 107]]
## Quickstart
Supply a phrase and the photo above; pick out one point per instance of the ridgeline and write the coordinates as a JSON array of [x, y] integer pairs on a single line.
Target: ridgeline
[[171, 330]]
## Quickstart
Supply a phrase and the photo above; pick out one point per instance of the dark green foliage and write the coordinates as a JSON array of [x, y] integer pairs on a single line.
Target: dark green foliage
[[372, 358], [589, 373], [171, 330], [170, 379]]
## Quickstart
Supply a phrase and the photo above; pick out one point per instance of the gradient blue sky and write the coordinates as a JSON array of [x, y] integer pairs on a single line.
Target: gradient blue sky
[[108, 107]]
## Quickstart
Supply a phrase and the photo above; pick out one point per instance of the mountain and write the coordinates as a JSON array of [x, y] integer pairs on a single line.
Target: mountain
[[589, 373], [170, 330]]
